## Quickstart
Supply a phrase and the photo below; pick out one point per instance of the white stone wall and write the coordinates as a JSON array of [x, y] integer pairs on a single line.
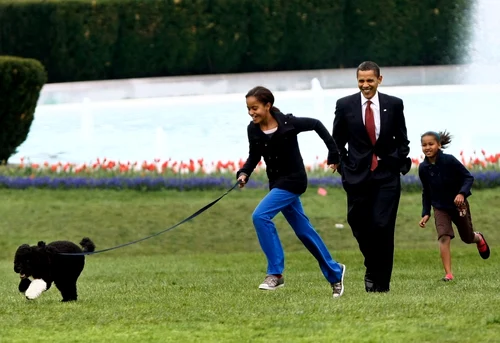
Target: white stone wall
[[72, 92]]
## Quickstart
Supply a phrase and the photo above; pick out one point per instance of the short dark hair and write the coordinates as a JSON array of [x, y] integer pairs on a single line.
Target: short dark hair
[[368, 65], [263, 95]]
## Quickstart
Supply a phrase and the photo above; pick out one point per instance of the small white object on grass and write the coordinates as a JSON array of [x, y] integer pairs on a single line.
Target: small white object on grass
[[339, 226], [36, 288], [322, 191]]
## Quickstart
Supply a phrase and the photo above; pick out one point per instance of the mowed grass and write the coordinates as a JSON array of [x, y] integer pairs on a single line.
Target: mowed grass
[[198, 282]]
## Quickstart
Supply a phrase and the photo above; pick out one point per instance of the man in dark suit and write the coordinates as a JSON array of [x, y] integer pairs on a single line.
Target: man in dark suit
[[373, 126]]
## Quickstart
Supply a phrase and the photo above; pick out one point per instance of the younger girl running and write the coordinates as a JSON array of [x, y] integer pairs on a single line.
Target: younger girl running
[[273, 135], [446, 186]]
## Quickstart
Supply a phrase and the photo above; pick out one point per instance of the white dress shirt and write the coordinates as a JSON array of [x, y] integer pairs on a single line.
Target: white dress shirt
[[375, 106]]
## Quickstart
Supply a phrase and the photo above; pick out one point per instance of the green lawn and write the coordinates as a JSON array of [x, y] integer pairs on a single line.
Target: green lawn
[[198, 282]]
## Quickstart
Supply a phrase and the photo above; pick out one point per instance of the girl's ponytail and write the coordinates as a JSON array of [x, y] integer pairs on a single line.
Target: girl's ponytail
[[444, 139]]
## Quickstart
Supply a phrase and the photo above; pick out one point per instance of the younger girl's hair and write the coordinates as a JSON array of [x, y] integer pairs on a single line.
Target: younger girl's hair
[[442, 137], [263, 95]]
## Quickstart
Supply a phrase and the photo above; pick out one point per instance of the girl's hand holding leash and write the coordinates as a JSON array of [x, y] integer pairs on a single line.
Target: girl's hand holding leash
[[424, 220], [333, 167], [242, 180]]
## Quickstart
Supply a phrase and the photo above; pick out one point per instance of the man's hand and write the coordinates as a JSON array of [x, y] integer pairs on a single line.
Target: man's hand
[[424, 220], [333, 167]]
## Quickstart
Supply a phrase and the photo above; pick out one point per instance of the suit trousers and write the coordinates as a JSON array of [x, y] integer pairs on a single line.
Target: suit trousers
[[279, 200], [371, 214]]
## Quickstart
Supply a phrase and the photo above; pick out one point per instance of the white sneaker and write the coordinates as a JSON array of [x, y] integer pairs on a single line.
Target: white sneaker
[[338, 287], [271, 282]]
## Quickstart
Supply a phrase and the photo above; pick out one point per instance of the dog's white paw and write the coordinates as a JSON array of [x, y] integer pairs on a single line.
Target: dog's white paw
[[35, 289]]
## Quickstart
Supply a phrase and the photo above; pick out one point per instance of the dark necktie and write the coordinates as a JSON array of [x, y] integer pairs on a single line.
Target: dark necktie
[[370, 128]]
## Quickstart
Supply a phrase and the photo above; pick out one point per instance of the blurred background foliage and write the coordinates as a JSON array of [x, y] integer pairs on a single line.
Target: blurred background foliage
[[79, 40]]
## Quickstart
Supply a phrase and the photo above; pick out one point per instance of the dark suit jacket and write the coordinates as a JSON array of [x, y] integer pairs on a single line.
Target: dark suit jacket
[[284, 165], [442, 182], [391, 146]]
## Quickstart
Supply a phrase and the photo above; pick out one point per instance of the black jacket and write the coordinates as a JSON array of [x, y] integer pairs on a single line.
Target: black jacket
[[443, 181], [392, 146], [284, 165]]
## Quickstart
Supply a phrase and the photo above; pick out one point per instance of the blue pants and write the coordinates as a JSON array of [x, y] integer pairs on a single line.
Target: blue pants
[[290, 205]]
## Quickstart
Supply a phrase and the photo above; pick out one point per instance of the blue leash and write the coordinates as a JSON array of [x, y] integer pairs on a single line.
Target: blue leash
[[197, 213]]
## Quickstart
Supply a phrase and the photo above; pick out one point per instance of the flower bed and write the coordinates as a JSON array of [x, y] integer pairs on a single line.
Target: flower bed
[[157, 175], [484, 179]]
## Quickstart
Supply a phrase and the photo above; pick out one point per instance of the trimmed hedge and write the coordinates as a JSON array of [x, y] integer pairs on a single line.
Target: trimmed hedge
[[21, 80], [81, 40], [409, 32]]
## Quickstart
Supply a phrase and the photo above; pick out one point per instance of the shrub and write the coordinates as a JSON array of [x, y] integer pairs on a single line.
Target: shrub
[[115, 39], [21, 80], [409, 32]]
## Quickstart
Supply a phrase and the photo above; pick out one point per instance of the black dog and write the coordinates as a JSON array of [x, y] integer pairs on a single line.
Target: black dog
[[45, 262]]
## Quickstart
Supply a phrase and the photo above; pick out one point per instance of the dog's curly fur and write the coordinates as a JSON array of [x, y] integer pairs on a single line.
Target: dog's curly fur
[[43, 261]]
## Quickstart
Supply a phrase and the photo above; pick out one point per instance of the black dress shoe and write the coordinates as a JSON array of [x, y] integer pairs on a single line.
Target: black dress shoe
[[382, 288], [370, 286]]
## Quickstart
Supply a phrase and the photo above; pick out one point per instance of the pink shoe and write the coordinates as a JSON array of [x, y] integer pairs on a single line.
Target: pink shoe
[[447, 277], [482, 247]]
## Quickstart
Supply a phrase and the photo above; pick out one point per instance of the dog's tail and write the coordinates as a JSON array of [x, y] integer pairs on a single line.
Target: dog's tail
[[87, 245]]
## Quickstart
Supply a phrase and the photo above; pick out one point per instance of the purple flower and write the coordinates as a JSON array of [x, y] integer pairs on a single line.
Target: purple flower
[[483, 179]]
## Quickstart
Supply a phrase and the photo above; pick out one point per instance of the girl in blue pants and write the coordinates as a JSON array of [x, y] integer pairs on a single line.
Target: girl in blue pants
[[273, 135]]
